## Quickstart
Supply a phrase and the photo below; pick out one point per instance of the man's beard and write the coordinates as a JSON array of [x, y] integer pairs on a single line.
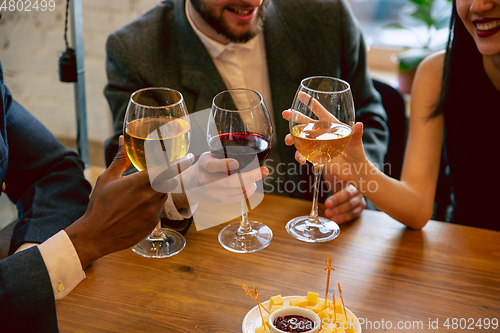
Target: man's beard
[[216, 22]]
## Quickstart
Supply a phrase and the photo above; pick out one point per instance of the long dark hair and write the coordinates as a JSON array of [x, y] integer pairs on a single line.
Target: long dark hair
[[461, 51]]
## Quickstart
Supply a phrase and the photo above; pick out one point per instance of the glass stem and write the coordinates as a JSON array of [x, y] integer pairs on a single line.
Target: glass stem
[[313, 217], [157, 232], [244, 224]]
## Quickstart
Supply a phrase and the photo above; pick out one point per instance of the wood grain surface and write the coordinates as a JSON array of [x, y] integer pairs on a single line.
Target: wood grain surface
[[388, 273]]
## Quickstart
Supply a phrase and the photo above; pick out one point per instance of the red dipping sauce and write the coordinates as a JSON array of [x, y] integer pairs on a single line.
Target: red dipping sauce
[[294, 324]]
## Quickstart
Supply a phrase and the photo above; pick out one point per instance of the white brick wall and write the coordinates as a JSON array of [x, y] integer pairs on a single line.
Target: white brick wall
[[30, 43]]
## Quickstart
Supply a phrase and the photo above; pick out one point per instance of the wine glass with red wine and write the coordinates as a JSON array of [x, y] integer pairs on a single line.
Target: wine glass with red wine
[[240, 128], [321, 126], [156, 129]]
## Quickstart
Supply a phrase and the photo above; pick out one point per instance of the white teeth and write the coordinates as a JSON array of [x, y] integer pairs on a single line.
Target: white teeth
[[241, 12], [488, 26]]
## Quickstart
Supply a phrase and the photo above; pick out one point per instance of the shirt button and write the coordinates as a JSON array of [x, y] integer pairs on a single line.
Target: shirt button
[[60, 287]]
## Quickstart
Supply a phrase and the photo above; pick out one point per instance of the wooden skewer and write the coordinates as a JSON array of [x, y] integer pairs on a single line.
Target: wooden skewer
[[328, 268], [342, 299], [334, 312], [255, 296]]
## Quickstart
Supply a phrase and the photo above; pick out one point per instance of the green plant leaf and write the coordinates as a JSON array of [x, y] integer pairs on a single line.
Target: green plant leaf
[[409, 60], [421, 10], [394, 26], [425, 3], [424, 15]]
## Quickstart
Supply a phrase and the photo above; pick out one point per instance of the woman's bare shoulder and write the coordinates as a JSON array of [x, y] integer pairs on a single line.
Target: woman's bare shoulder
[[429, 74], [427, 84], [433, 64]]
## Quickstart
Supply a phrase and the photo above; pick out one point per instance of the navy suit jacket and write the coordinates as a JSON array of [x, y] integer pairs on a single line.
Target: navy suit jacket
[[47, 184], [302, 38]]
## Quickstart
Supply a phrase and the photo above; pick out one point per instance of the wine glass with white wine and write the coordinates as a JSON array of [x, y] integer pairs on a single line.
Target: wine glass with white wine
[[157, 132], [321, 121]]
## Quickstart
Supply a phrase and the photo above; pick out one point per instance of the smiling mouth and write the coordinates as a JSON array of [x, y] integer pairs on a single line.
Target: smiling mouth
[[241, 12], [487, 26]]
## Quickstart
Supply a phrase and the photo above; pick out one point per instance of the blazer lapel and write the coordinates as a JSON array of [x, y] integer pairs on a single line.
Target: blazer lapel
[[199, 76]]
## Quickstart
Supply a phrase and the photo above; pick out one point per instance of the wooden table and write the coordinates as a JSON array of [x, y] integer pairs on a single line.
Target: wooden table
[[388, 274]]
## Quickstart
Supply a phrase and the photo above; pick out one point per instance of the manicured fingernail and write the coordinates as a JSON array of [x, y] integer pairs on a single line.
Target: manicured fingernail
[[233, 165]]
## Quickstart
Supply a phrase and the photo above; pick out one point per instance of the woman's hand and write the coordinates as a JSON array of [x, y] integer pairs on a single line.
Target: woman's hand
[[344, 165], [346, 202]]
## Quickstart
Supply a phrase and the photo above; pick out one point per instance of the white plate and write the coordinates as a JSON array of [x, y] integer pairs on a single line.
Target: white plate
[[252, 319]]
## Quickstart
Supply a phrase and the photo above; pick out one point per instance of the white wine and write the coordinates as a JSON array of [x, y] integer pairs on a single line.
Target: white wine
[[152, 142], [321, 141]]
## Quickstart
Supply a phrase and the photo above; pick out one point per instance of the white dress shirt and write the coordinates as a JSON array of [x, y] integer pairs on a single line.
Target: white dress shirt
[[62, 262], [244, 65], [241, 65]]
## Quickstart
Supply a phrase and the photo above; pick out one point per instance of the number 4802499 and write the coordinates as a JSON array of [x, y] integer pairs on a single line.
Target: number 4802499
[[471, 323], [27, 5]]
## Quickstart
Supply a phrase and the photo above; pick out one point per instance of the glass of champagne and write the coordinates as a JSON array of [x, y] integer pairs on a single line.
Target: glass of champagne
[[321, 126], [156, 129], [239, 127]]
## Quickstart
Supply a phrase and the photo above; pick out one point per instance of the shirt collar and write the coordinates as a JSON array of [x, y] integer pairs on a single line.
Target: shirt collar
[[214, 48]]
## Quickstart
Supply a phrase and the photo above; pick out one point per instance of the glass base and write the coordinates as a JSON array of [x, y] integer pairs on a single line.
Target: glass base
[[166, 245], [257, 239], [303, 229]]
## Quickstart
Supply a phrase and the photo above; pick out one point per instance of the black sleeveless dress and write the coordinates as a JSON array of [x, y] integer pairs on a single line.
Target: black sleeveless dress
[[472, 149]]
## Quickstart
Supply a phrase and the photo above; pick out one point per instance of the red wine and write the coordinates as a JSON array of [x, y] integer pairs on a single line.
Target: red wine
[[241, 146]]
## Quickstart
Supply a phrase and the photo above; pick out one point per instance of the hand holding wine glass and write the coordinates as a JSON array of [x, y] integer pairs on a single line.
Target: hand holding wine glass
[[157, 132], [122, 209], [321, 124], [208, 181], [352, 157], [345, 202], [240, 128]]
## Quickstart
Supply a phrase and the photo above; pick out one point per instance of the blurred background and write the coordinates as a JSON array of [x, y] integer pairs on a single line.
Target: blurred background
[[30, 43]]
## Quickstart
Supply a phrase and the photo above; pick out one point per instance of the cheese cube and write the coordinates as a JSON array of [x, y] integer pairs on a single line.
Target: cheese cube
[[276, 307], [324, 316], [331, 312], [320, 306], [299, 301], [340, 318], [350, 325], [262, 329], [338, 306], [276, 300], [312, 298], [346, 325]]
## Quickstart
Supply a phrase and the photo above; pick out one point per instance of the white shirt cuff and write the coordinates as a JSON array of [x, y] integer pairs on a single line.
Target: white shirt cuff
[[64, 266]]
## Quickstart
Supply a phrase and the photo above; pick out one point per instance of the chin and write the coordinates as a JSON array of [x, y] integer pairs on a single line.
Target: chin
[[489, 51], [242, 36]]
